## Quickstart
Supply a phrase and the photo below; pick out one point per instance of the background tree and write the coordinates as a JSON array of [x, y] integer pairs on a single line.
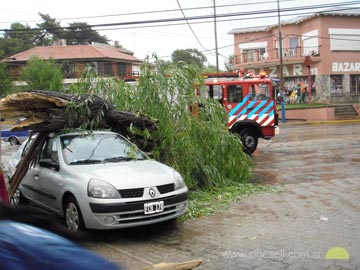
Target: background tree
[[229, 63], [50, 31], [22, 37], [190, 57], [82, 33], [18, 38], [5, 80], [210, 68], [42, 75]]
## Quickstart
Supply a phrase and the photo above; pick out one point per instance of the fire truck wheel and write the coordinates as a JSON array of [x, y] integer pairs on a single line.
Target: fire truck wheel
[[249, 140]]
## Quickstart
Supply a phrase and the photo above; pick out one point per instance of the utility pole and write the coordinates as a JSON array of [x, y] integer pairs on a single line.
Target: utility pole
[[216, 44], [281, 79]]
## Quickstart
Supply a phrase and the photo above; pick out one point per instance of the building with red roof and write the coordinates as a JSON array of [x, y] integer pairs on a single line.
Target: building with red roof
[[106, 60]]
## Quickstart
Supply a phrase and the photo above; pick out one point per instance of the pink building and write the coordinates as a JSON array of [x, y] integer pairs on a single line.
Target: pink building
[[330, 38]]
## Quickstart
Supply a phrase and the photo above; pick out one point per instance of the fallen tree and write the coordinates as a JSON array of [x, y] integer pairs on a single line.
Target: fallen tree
[[48, 111]]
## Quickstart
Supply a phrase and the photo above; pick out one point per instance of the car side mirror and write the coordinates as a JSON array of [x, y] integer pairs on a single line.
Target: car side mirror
[[48, 163], [150, 155]]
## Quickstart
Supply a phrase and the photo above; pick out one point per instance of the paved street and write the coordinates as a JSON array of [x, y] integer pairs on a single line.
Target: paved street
[[317, 169], [316, 166]]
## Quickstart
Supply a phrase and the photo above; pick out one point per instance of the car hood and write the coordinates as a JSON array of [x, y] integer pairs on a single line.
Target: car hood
[[129, 174]]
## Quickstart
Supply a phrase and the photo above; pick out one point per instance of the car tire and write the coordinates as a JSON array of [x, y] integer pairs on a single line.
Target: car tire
[[18, 199], [14, 141], [249, 140], [72, 214]]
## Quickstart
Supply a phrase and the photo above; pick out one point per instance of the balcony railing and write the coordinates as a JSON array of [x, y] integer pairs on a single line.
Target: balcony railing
[[289, 54]]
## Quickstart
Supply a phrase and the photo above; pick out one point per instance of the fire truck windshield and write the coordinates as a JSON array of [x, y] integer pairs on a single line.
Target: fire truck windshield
[[259, 91]]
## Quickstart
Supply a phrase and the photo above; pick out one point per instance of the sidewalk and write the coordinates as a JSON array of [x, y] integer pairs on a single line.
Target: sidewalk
[[325, 115]]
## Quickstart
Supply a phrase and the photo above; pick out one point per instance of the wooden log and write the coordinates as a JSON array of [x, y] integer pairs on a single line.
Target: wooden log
[[49, 111], [175, 266], [25, 162]]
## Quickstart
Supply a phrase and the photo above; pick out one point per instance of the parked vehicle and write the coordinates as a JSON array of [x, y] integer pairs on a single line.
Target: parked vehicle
[[14, 137], [250, 104], [100, 180]]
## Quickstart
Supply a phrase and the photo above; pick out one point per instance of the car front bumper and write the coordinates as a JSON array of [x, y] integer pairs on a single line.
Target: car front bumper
[[130, 214]]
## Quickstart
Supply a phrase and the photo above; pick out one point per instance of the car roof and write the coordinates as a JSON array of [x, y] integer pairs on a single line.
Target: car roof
[[88, 132]]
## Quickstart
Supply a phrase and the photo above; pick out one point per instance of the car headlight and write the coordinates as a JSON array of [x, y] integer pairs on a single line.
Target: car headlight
[[179, 181], [101, 189]]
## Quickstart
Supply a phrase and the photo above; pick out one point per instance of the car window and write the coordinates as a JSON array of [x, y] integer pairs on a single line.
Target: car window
[[97, 147], [26, 145], [50, 150]]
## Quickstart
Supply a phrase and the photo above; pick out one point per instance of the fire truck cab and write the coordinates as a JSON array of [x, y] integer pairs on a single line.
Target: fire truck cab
[[250, 104]]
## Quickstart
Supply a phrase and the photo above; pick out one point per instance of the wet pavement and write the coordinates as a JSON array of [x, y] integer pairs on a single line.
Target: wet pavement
[[305, 225], [317, 167]]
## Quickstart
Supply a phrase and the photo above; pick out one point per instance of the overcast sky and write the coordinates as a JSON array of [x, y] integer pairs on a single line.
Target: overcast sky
[[162, 40]]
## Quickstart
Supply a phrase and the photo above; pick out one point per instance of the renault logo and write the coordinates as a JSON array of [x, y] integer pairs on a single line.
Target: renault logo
[[152, 193]]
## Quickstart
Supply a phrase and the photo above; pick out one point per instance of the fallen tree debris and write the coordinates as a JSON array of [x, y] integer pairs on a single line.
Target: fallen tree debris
[[49, 111], [175, 266]]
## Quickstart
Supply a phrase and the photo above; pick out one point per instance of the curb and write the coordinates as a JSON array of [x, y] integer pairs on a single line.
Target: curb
[[324, 122]]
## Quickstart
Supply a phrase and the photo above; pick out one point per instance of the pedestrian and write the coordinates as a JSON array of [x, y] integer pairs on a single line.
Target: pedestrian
[[298, 92], [303, 93], [293, 96]]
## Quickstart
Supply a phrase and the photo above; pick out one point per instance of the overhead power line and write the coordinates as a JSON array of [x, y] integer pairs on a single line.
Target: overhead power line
[[155, 11], [187, 22], [222, 20], [196, 18]]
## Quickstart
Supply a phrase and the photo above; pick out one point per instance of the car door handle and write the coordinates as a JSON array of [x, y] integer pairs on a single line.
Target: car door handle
[[36, 176]]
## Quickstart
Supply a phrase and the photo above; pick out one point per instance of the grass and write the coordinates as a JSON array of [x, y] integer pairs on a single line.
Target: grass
[[208, 201], [302, 106]]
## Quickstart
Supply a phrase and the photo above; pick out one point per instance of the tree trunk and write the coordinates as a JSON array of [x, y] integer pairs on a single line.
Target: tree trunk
[[49, 111]]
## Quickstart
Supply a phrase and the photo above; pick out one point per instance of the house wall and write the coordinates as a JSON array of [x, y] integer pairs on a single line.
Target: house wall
[[325, 64]]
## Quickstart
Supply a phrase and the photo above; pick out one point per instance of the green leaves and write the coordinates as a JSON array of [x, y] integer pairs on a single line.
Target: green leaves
[[42, 75], [198, 145], [207, 201]]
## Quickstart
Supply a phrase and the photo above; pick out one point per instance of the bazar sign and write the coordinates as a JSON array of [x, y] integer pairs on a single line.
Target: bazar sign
[[292, 70], [345, 66]]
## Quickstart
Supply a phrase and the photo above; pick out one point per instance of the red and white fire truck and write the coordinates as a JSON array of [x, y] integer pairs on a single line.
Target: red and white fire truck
[[250, 103]]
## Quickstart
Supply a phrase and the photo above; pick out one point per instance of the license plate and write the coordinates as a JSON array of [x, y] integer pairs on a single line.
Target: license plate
[[153, 207]]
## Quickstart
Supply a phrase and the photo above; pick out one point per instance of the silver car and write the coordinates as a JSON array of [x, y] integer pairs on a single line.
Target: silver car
[[100, 180]]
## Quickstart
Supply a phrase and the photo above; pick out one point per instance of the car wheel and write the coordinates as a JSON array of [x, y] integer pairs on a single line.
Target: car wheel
[[73, 216], [249, 140], [18, 198], [14, 141]]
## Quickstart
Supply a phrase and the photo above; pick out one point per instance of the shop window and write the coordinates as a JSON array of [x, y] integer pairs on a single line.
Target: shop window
[[355, 84], [336, 85]]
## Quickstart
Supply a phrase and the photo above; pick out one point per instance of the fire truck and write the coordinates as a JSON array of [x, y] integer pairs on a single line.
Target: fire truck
[[250, 103]]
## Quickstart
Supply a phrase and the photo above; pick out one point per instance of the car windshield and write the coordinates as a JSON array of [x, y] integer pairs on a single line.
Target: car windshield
[[98, 148]]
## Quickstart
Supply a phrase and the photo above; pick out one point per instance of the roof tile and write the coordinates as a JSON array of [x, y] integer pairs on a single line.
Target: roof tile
[[71, 52]]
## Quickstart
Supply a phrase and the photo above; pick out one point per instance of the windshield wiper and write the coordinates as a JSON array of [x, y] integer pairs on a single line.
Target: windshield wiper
[[119, 159], [86, 161]]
